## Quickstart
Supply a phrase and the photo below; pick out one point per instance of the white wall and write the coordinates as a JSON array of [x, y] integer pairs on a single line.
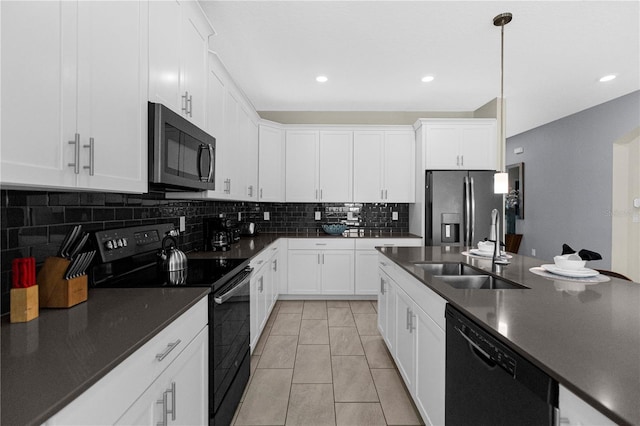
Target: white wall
[[568, 179]]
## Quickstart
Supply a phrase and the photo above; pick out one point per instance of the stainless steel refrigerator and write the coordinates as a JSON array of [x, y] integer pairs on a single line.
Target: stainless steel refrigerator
[[458, 206]]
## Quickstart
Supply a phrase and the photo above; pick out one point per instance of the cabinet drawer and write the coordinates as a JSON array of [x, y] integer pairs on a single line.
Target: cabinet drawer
[[372, 243], [112, 395], [321, 244]]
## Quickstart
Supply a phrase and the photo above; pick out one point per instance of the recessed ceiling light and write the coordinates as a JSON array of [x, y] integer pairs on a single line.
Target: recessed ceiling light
[[427, 78], [322, 79], [608, 77]]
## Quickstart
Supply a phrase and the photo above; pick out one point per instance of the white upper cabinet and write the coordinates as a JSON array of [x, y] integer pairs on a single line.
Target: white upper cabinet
[[271, 163], [384, 166], [178, 58], [78, 70], [467, 144], [335, 166], [319, 166], [301, 165]]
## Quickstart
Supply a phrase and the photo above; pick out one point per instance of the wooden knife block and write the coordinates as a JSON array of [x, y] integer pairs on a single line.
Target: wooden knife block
[[24, 304], [55, 291]]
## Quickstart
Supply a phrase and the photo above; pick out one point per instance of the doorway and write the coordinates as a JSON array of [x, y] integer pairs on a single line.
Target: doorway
[[625, 206]]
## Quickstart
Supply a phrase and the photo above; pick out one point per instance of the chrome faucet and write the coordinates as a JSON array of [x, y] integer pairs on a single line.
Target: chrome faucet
[[494, 235]]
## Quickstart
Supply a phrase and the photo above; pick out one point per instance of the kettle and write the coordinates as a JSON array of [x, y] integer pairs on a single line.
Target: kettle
[[172, 262]]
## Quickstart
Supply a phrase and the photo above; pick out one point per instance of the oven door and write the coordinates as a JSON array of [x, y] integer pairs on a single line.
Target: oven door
[[229, 345]]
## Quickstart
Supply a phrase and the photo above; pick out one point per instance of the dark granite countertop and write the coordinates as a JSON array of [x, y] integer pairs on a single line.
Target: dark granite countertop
[[589, 341], [51, 360], [249, 247]]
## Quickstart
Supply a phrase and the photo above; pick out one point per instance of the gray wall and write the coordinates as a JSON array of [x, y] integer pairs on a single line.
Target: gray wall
[[568, 175]]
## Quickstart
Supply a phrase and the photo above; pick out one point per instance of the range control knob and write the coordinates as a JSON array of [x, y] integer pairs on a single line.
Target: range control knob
[[108, 245], [124, 242]]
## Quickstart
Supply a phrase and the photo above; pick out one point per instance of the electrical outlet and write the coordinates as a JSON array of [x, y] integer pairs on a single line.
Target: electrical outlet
[[266, 216], [183, 223], [394, 215], [533, 252], [239, 216], [318, 215]]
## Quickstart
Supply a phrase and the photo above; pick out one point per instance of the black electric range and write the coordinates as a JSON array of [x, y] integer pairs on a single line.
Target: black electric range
[[129, 259]]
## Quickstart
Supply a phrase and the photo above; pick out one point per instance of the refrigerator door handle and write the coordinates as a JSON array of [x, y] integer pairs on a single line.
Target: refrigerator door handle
[[473, 210], [467, 212]]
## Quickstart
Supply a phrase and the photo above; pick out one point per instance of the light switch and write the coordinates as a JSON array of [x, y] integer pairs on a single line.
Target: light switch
[[318, 215], [266, 216], [394, 215], [239, 216], [183, 224], [447, 231], [636, 202]]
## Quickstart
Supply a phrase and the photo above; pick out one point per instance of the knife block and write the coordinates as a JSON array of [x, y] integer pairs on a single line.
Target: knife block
[[55, 291], [24, 304]]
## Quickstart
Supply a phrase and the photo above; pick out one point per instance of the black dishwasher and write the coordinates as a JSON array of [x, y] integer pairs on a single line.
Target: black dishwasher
[[489, 384]]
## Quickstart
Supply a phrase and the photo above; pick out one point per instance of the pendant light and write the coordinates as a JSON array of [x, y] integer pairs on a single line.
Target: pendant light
[[501, 179]]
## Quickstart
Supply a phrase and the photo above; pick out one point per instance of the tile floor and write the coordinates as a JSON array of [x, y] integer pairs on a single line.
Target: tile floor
[[324, 363]]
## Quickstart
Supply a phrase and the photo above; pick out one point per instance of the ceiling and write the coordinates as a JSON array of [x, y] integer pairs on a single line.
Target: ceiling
[[376, 52]]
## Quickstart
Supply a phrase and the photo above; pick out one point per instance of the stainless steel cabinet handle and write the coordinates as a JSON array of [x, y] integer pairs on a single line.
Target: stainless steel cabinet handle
[[170, 347], [316, 196], [261, 285], [323, 258], [321, 194], [76, 154], [382, 194], [408, 318], [184, 106], [321, 244], [412, 325], [261, 193], [274, 264], [250, 191], [190, 106], [386, 195], [381, 286], [91, 147], [457, 160], [165, 405], [462, 160]]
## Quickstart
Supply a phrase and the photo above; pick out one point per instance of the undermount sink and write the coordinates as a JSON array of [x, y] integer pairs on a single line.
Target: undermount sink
[[447, 269], [479, 282]]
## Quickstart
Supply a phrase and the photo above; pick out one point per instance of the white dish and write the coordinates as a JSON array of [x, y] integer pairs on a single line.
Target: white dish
[[576, 273], [487, 253]]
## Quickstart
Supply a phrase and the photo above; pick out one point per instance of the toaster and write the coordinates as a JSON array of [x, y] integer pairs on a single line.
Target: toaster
[[248, 228]]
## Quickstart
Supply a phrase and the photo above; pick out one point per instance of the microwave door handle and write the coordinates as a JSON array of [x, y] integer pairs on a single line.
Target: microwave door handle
[[211, 162], [200, 149]]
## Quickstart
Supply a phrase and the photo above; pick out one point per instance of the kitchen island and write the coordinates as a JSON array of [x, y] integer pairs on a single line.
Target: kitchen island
[[50, 361], [588, 339]]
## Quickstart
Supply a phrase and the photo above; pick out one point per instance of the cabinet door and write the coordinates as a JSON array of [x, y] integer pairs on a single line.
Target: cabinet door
[[367, 280], [242, 157], [368, 164], [430, 370], [112, 95], [270, 164], [303, 272], [164, 53], [405, 339], [251, 168], [194, 65], [478, 147], [335, 165], [257, 306], [383, 311], [337, 271], [399, 170], [216, 125], [182, 388], [442, 145], [230, 149], [301, 166], [38, 93]]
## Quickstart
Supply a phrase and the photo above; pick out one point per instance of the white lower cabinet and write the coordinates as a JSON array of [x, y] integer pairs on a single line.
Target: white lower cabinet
[[179, 395], [321, 266], [576, 412], [264, 289], [416, 339], [167, 376], [387, 311], [367, 260]]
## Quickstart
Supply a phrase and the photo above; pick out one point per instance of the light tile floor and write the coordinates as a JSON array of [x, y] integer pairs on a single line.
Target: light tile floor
[[324, 363]]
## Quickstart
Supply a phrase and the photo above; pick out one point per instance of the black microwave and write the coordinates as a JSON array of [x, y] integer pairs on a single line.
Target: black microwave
[[181, 155]]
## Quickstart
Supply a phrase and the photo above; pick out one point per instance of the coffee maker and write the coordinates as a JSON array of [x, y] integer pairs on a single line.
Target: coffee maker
[[220, 233]]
